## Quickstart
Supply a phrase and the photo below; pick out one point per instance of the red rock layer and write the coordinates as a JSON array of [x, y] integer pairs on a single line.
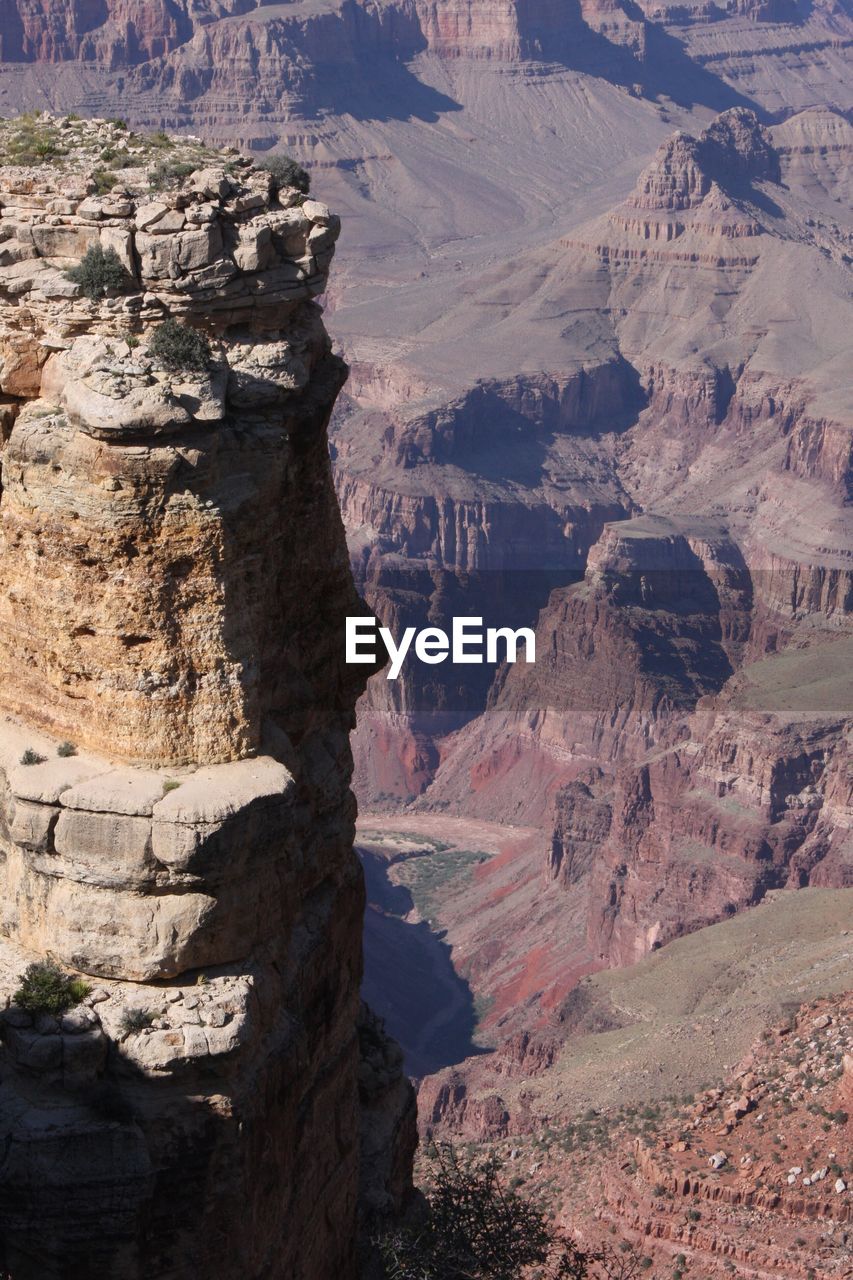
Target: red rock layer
[[760, 1176]]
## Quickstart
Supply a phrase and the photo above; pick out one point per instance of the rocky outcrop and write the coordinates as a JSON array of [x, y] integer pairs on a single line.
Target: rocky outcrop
[[699, 1187], [158, 668], [389, 1123], [175, 815]]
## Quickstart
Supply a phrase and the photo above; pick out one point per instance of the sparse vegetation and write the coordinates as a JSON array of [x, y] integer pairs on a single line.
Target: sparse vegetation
[[66, 749], [104, 180], [286, 172], [134, 1021], [46, 989], [32, 757], [176, 346], [100, 272], [476, 1228], [160, 139], [32, 139], [171, 784], [168, 174], [429, 878]]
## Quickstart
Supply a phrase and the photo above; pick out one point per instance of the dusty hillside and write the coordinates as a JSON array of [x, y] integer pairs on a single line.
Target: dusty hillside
[[747, 1178], [696, 1105]]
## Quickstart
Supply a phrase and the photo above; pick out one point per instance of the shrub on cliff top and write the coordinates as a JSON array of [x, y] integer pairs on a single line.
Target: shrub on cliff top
[[286, 172], [46, 989], [169, 173], [32, 140], [177, 346], [104, 180], [135, 1020], [100, 272]]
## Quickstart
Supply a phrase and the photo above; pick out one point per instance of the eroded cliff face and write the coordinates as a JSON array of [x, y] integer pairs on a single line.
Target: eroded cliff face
[[259, 73], [117, 34], [682, 742], [176, 820]]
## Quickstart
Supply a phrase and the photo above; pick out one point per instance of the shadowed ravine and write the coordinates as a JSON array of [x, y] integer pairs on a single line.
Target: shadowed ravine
[[409, 978]]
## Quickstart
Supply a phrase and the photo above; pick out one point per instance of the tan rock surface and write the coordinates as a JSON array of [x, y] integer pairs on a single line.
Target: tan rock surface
[[175, 815], [134, 503]]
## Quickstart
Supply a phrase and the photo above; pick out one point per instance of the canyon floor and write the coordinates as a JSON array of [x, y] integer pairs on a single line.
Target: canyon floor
[[670, 1023]]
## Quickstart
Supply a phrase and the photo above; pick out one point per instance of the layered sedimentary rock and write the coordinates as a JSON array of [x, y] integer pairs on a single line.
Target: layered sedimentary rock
[[683, 740], [724, 1164], [581, 97], [117, 34], [194, 44], [176, 817], [756, 797], [736, 445], [624, 1114], [137, 536]]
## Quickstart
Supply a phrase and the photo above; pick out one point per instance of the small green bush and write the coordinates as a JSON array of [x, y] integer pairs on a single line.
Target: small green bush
[[287, 172], [46, 989], [135, 1020], [105, 180], [100, 272], [120, 158], [177, 346], [165, 174], [33, 141], [32, 757], [171, 784], [66, 749]]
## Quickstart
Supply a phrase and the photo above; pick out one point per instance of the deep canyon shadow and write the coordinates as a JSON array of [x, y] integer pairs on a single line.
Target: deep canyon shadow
[[409, 978]]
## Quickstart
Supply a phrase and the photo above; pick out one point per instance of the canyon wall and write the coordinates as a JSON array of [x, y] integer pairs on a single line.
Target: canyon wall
[[260, 74], [683, 739], [176, 821]]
